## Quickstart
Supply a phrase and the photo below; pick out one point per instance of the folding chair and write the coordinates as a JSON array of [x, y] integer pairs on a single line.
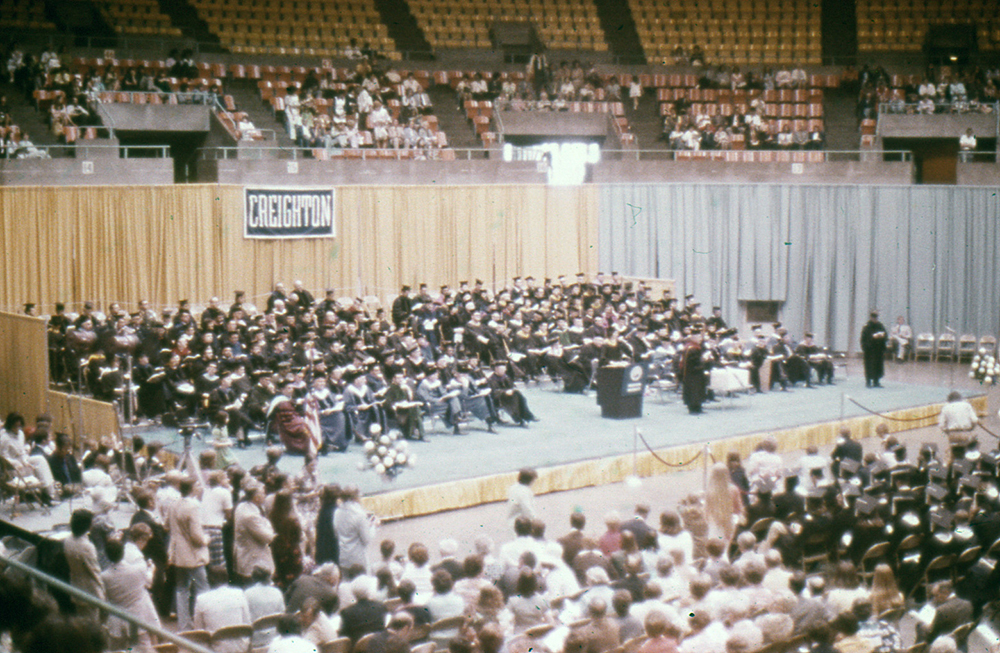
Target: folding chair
[[924, 346], [229, 636], [967, 347], [945, 347], [20, 488]]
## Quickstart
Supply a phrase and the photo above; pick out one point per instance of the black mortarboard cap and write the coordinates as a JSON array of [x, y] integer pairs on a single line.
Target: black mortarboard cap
[[866, 505], [936, 492], [942, 518]]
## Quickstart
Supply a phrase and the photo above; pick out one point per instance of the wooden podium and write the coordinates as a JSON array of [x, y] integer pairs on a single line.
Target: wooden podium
[[620, 389]]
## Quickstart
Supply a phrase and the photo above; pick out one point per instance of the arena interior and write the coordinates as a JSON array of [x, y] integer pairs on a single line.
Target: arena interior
[[403, 326]]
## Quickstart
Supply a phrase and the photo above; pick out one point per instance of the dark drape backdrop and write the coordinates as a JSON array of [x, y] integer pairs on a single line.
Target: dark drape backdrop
[[829, 254]]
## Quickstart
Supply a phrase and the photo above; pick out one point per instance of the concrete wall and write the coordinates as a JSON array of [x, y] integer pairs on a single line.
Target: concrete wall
[[104, 171], [834, 172], [978, 174], [554, 126], [156, 117], [309, 172], [949, 125]]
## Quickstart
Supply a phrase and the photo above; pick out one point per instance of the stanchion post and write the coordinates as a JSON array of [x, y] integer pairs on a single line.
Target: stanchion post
[[704, 467], [635, 451]]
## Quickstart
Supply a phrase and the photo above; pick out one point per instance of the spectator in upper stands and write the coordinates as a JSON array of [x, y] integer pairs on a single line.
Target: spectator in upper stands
[[967, 145], [957, 91], [799, 77], [635, 91], [783, 78], [479, 88], [14, 61], [50, 59], [784, 139]]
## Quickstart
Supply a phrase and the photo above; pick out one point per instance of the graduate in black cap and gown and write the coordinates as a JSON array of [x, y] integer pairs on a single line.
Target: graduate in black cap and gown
[[694, 376], [873, 343]]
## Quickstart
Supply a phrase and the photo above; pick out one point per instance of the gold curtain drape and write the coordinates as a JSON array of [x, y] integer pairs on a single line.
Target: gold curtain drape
[[166, 243]]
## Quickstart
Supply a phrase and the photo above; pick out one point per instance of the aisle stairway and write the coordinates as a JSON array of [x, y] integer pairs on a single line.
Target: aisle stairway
[[246, 95], [645, 122], [620, 32], [840, 31], [452, 121], [403, 28], [82, 19], [24, 114], [185, 17], [838, 118]]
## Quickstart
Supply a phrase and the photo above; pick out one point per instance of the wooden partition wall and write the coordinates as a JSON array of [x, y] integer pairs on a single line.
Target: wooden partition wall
[[166, 243], [24, 370]]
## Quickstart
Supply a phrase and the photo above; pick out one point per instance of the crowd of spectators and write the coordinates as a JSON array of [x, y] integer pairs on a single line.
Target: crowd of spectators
[[942, 89], [825, 553], [689, 126], [370, 108]]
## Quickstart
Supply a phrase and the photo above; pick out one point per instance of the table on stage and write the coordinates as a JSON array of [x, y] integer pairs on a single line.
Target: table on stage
[[726, 380]]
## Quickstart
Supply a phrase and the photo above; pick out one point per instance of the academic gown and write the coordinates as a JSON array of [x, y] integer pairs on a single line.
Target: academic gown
[[694, 381], [873, 347]]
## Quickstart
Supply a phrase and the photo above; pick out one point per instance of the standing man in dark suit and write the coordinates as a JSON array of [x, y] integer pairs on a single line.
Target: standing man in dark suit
[[873, 343], [694, 381], [846, 448]]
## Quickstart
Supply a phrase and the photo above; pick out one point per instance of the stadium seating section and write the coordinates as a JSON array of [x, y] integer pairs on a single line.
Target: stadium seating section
[[136, 17], [737, 32], [901, 25], [561, 24], [24, 14], [309, 27], [800, 109]]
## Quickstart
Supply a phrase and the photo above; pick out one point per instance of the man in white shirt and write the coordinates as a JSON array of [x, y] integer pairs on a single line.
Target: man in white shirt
[[520, 498], [216, 508], [221, 606], [900, 339], [957, 419], [967, 145], [355, 529]]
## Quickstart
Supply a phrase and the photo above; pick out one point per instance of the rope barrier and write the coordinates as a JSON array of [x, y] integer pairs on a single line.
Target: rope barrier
[[668, 464], [980, 425], [913, 419], [889, 417]]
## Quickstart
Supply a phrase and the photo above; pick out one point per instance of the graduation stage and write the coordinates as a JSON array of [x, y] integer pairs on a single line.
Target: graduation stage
[[573, 446]]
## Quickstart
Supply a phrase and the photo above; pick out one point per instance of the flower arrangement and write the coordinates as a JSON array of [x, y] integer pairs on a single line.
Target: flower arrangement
[[386, 455], [985, 368]]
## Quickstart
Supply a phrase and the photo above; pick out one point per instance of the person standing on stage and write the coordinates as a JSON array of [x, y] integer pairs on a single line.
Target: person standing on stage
[[693, 375], [873, 344]]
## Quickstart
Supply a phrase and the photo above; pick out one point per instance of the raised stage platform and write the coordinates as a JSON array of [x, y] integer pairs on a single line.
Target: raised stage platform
[[573, 447]]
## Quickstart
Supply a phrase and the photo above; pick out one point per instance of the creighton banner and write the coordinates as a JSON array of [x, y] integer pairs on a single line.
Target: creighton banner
[[288, 213]]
